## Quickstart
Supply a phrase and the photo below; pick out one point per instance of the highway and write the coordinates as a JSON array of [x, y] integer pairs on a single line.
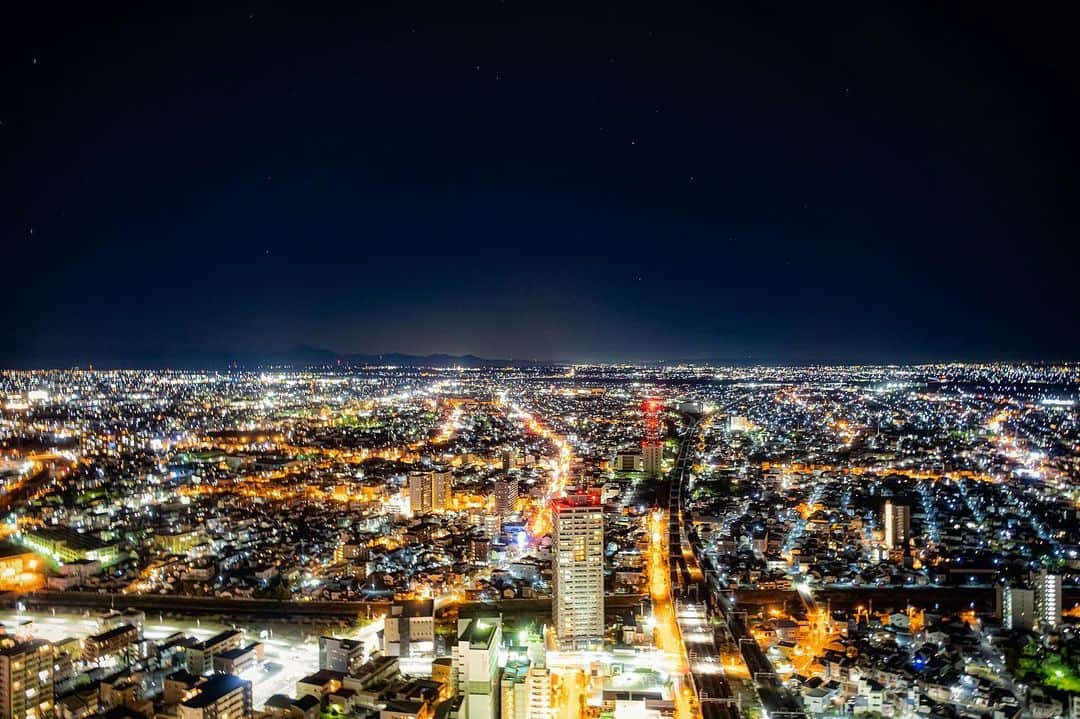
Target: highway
[[695, 569]]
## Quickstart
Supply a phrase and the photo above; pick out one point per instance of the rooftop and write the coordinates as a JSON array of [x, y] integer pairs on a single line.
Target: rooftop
[[215, 688]]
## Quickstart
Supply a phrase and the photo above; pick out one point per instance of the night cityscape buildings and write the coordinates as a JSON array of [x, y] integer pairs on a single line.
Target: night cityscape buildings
[[822, 541], [507, 360], [577, 570]]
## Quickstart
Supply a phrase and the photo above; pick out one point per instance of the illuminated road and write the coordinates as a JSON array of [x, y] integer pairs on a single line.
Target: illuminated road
[[559, 466], [668, 636]]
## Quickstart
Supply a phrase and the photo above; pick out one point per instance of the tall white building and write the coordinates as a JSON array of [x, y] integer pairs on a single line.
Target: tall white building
[[1018, 608], [578, 571], [476, 666], [897, 520], [1048, 600]]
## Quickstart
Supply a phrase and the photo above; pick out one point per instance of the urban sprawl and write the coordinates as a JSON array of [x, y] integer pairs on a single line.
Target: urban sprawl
[[572, 542]]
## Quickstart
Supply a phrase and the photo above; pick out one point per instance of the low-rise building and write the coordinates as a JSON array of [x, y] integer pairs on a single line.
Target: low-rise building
[[223, 696]]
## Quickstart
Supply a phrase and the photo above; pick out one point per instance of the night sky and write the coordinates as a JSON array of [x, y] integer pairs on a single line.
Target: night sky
[[538, 180]]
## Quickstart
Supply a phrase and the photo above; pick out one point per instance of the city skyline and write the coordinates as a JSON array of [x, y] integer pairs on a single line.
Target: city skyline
[[509, 360], [541, 543]]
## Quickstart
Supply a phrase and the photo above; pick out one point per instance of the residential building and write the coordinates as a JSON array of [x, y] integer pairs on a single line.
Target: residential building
[[578, 571], [652, 457], [223, 696], [1018, 608], [538, 689], [341, 655], [26, 679], [239, 660], [897, 521], [506, 496], [200, 656], [112, 642], [514, 692], [1048, 600], [430, 491]]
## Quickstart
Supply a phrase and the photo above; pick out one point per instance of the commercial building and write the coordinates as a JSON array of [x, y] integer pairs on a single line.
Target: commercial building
[[897, 521], [66, 545], [223, 696], [629, 462], [409, 629], [19, 567], [26, 679], [578, 571], [178, 542]]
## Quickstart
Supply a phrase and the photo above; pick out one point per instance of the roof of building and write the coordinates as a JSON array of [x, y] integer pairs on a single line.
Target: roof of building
[[403, 706], [237, 653], [516, 670], [306, 702], [185, 677], [70, 537], [323, 676], [278, 701], [479, 632], [7, 549], [113, 633], [20, 647], [345, 643], [218, 638], [215, 688], [412, 608]]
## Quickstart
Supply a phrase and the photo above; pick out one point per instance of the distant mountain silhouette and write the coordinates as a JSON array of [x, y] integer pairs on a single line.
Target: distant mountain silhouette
[[304, 356]]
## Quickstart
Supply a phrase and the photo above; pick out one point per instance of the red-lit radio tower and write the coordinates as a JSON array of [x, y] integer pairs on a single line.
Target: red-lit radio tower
[[652, 449]]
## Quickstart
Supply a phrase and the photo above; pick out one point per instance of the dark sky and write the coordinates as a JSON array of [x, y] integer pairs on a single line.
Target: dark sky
[[537, 180]]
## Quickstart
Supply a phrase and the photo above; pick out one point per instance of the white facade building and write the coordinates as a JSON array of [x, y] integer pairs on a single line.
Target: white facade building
[[578, 571]]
